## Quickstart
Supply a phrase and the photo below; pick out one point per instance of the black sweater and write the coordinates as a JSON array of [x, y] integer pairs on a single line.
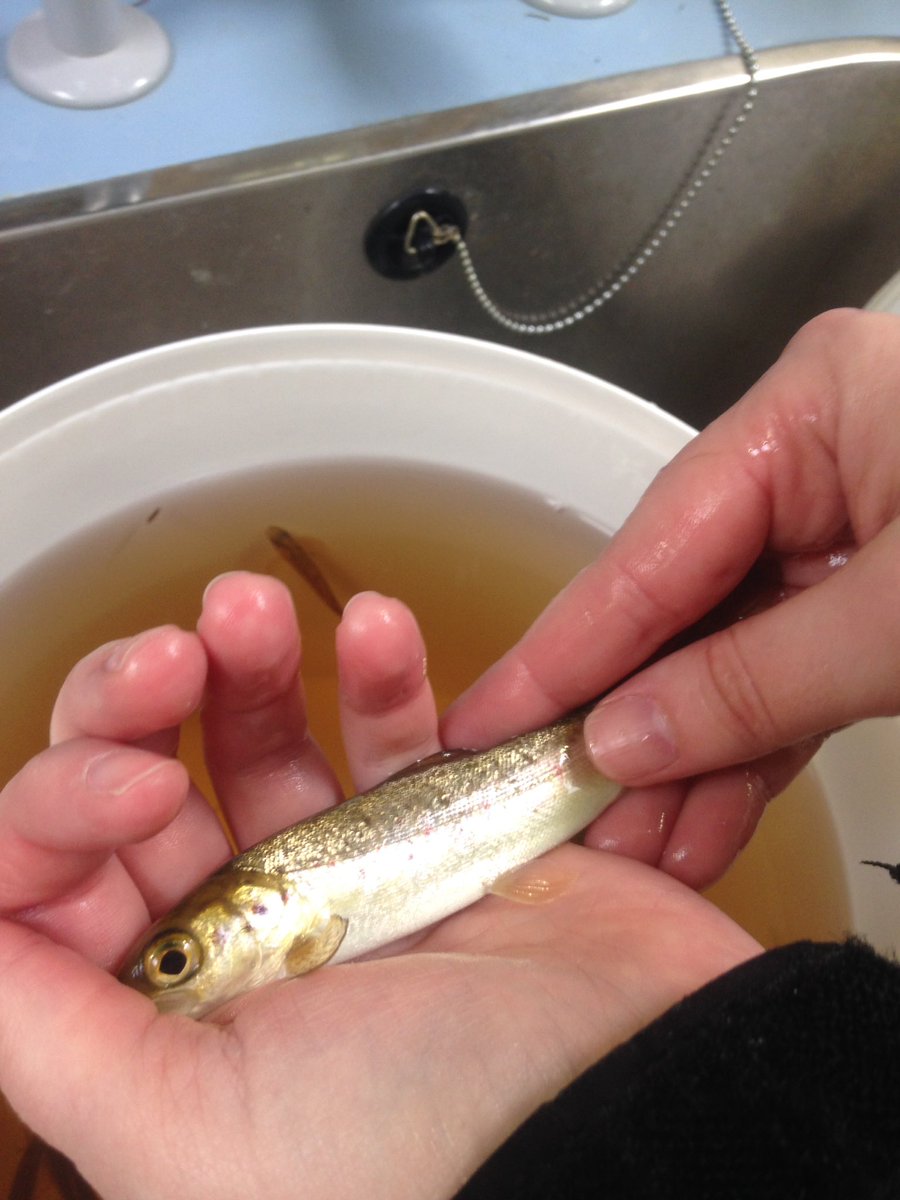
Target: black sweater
[[778, 1081]]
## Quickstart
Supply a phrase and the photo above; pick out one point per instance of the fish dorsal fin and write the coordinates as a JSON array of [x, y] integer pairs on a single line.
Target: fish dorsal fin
[[432, 760], [313, 950]]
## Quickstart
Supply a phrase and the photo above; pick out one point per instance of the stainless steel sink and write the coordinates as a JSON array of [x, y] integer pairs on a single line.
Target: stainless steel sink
[[803, 214]]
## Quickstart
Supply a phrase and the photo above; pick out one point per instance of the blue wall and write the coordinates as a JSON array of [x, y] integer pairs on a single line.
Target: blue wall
[[250, 73]]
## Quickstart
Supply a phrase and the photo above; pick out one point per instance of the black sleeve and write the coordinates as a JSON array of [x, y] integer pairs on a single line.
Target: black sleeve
[[778, 1081]]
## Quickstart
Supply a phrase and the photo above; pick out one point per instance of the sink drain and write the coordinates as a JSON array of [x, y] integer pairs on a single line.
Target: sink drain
[[416, 234]]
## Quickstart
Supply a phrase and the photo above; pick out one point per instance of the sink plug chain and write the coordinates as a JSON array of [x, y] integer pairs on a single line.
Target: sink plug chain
[[439, 234], [711, 154]]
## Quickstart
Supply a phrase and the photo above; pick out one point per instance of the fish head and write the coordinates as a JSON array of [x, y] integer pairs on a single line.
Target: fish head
[[237, 931]]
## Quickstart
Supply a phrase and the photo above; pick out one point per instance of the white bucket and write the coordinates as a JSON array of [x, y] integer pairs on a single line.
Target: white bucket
[[123, 434]]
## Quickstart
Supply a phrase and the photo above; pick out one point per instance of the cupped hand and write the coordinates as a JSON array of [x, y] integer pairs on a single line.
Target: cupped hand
[[796, 487], [393, 1077]]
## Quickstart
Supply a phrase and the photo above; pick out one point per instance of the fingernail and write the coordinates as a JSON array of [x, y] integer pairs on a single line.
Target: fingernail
[[123, 650], [357, 596], [215, 581], [629, 737], [114, 773], [758, 794], [119, 653]]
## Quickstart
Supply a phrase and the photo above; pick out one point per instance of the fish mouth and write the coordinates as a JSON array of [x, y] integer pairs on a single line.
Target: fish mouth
[[182, 1000], [183, 1003]]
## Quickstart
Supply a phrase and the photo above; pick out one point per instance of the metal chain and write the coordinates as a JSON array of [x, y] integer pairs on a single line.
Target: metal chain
[[606, 289]]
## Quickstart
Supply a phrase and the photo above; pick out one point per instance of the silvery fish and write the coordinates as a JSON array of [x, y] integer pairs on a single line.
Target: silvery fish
[[389, 862]]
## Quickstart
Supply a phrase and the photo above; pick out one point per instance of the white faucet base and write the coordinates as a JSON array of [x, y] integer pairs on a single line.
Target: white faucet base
[[137, 64]]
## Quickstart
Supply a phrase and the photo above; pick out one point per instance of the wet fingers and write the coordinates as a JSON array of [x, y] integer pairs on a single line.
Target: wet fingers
[[694, 829], [62, 820], [721, 811], [640, 823], [387, 707], [267, 770], [136, 689]]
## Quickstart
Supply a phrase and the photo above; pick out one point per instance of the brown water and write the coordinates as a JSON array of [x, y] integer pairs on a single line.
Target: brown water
[[475, 560]]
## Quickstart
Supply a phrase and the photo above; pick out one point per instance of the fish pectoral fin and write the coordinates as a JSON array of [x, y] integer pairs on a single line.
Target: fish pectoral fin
[[534, 883], [312, 950]]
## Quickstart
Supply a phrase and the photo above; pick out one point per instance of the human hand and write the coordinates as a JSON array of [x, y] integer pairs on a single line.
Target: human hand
[[799, 478], [394, 1077]]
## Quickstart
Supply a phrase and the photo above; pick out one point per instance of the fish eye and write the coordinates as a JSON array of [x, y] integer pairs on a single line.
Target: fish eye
[[171, 958]]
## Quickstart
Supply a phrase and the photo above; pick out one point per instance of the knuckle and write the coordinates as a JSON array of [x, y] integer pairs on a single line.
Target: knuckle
[[737, 696], [842, 338], [822, 330], [651, 616]]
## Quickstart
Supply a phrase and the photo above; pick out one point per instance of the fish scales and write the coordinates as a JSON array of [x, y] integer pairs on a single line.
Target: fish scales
[[407, 805], [391, 861]]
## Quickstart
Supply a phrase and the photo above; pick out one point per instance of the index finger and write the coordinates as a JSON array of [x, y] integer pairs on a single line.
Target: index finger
[[762, 475]]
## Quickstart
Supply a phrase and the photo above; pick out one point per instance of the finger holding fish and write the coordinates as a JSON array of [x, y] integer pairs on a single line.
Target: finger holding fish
[[693, 829], [721, 811], [640, 824], [799, 476]]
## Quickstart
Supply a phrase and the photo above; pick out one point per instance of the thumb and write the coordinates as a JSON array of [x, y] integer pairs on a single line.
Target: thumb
[[820, 660], [68, 1031]]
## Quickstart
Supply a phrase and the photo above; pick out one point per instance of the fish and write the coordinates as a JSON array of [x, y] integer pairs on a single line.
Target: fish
[[389, 862], [300, 553]]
